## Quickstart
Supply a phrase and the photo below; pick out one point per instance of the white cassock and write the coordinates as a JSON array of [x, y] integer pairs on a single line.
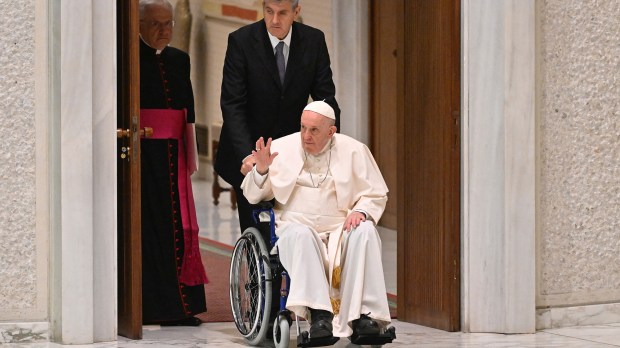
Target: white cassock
[[314, 195]]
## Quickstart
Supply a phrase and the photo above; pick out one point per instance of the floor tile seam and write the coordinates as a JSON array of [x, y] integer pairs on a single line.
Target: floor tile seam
[[580, 338]]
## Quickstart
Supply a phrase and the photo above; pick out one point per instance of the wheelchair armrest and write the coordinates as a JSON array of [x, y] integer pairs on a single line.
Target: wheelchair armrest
[[265, 214]]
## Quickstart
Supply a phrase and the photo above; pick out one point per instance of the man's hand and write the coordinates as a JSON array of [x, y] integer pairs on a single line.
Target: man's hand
[[353, 220], [247, 165], [263, 156]]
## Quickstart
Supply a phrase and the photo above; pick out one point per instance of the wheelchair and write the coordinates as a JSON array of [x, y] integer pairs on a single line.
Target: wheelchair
[[258, 280]]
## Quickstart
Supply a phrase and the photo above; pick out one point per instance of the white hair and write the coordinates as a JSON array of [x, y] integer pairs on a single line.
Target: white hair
[[146, 3], [293, 2]]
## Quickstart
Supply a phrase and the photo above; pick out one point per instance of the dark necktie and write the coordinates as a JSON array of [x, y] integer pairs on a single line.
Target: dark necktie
[[280, 60]]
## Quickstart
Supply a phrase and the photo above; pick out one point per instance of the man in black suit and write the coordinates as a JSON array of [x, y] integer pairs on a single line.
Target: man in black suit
[[271, 69]]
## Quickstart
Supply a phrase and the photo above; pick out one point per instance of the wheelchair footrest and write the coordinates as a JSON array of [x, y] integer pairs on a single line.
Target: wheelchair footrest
[[383, 338], [304, 340]]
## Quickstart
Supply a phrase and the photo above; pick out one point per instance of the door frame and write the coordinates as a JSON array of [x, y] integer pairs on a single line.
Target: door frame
[[129, 184], [520, 16], [429, 133]]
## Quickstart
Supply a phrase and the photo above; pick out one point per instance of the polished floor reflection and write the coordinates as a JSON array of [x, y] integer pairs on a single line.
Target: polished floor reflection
[[220, 223]]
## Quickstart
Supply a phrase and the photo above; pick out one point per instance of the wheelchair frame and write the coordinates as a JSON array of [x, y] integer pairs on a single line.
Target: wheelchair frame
[[251, 298]]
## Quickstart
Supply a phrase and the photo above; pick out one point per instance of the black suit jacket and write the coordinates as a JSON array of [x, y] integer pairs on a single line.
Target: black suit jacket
[[254, 103]]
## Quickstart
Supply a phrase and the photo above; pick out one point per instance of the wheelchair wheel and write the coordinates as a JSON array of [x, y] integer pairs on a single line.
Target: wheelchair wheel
[[281, 332], [250, 286]]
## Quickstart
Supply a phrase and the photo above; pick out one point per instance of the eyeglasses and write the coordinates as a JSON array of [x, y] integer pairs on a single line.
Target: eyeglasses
[[159, 25]]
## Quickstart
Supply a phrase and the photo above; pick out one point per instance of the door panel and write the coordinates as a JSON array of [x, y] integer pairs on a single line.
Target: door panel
[[129, 212], [428, 135], [384, 34]]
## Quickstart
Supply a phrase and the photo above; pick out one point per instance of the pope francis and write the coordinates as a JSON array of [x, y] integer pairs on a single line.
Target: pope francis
[[329, 193]]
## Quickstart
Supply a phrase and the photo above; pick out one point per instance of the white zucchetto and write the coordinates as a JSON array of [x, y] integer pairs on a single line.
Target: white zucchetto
[[321, 107]]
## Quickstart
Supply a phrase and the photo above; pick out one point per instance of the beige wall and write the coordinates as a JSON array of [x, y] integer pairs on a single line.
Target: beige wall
[[578, 152], [22, 287]]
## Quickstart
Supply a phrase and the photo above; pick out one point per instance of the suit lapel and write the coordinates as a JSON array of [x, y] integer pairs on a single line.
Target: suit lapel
[[262, 46], [295, 54]]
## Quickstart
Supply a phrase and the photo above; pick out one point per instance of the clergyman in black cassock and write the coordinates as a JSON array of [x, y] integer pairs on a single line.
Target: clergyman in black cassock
[[173, 276]]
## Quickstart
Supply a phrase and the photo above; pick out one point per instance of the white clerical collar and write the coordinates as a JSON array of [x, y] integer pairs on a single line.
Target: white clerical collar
[[274, 40], [146, 43]]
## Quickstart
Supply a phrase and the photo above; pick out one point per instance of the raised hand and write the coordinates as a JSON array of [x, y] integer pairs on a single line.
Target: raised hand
[[263, 156]]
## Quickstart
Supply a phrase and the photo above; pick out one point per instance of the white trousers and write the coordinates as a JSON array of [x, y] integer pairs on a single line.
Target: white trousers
[[362, 290]]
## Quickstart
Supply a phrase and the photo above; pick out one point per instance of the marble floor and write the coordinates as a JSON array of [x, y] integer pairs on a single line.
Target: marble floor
[[408, 335], [220, 223]]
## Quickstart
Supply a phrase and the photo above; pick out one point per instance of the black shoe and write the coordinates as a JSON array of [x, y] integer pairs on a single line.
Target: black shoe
[[365, 326], [321, 323], [191, 321]]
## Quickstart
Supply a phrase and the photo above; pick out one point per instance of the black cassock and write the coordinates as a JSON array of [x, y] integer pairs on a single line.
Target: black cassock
[[165, 84]]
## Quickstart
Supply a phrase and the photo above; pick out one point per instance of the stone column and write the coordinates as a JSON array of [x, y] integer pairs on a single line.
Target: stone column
[[498, 183], [182, 31], [83, 171], [350, 64]]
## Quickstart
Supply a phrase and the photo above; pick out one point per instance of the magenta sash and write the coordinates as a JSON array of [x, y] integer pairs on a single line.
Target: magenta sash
[[171, 124]]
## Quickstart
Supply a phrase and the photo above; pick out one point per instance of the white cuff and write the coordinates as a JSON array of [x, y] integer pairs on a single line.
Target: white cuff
[[363, 212], [259, 179]]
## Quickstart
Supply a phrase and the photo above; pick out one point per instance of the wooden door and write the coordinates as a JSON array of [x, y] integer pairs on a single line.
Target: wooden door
[[384, 43], [129, 211], [428, 136]]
